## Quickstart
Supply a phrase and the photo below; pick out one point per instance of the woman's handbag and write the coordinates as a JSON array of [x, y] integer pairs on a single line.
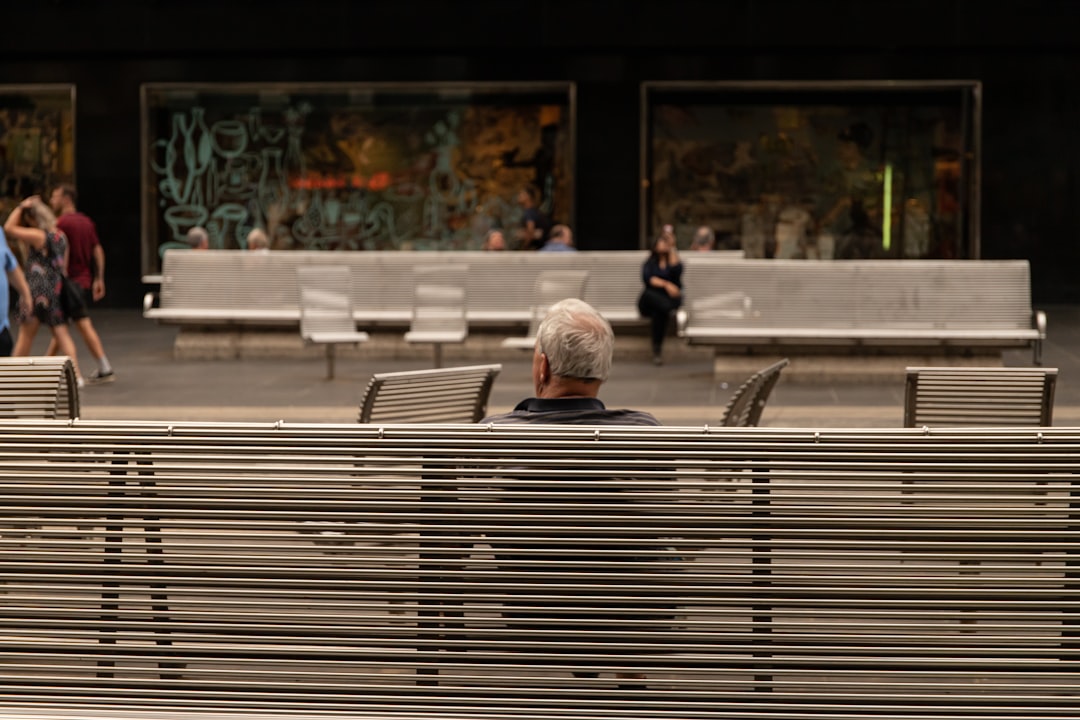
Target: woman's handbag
[[71, 297]]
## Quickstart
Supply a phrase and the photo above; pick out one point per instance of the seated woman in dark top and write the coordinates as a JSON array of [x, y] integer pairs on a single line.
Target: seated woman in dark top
[[662, 275]]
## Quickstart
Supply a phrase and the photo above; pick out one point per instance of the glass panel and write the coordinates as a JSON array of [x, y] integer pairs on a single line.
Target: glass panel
[[357, 167], [815, 171], [37, 141]]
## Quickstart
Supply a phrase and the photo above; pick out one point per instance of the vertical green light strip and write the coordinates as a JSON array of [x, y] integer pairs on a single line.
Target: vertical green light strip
[[886, 219]]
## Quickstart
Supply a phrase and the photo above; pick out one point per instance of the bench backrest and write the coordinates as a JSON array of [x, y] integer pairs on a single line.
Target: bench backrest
[[245, 287], [325, 304], [38, 387], [874, 294], [472, 571], [439, 298], [978, 396], [552, 286], [748, 401], [441, 395]]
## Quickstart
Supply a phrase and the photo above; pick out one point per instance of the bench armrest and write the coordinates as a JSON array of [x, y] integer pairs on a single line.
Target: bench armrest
[[1040, 326]]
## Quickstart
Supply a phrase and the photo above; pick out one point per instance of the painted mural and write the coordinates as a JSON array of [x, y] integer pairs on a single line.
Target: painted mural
[[37, 141], [812, 179], [351, 168]]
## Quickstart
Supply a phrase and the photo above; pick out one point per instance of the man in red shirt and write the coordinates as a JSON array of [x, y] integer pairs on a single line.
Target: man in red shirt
[[86, 269]]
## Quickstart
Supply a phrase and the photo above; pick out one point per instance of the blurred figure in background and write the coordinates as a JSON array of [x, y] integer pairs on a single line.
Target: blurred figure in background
[[257, 240], [704, 239], [198, 238], [11, 279], [560, 240], [86, 271], [494, 240], [662, 275], [33, 224]]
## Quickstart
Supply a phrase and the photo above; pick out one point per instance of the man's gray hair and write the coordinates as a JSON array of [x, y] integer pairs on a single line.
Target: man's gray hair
[[577, 340], [196, 235]]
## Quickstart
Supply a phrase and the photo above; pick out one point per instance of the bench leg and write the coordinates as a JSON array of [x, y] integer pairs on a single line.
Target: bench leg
[[329, 361], [438, 355]]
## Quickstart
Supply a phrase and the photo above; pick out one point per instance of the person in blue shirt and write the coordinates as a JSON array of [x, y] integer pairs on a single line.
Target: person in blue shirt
[[11, 279], [561, 239]]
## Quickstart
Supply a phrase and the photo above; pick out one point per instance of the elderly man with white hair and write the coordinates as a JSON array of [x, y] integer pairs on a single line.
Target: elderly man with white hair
[[572, 358]]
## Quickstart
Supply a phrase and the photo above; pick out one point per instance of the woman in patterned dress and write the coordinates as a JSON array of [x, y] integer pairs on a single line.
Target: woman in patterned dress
[[33, 224]]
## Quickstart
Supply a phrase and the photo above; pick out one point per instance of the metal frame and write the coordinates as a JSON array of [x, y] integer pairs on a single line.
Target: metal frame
[[973, 235]]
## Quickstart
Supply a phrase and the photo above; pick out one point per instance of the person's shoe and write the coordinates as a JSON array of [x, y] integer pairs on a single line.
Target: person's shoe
[[99, 378], [657, 359]]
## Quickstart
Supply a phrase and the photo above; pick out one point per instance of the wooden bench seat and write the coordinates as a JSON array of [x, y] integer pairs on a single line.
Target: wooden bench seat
[[785, 304], [212, 570]]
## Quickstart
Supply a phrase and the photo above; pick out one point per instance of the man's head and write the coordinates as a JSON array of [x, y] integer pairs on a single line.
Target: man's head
[[257, 240], [574, 348], [198, 238], [704, 239], [561, 234], [527, 197], [495, 240], [63, 199]]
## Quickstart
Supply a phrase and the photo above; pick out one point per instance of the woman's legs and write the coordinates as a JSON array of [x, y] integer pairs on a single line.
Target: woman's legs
[[658, 308], [65, 346], [27, 331]]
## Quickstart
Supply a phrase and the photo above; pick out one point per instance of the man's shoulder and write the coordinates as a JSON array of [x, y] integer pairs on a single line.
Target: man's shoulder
[[602, 416]]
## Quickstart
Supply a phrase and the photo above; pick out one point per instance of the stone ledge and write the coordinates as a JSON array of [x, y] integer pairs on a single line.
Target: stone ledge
[[845, 368]]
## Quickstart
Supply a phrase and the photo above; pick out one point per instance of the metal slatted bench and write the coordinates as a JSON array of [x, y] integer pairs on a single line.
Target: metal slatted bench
[[748, 401], [444, 395], [234, 287], [791, 304], [516, 572], [38, 387], [979, 396]]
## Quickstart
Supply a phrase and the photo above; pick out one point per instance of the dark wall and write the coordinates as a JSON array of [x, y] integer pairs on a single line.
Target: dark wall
[[1025, 53]]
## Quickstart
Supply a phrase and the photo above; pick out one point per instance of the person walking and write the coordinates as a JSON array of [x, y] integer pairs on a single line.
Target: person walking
[[86, 271], [33, 224], [11, 279]]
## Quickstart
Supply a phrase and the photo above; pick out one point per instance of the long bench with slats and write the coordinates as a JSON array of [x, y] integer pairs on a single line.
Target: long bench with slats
[[791, 304], [242, 288], [168, 570]]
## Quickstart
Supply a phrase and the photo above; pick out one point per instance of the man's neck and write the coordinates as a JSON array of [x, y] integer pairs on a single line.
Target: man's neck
[[560, 388]]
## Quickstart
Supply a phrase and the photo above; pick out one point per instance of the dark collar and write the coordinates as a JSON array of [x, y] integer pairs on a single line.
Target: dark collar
[[539, 405]]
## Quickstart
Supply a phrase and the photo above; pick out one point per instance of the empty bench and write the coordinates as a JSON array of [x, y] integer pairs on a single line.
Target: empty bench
[[529, 572], [38, 387], [445, 395], [788, 305], [979, 396]]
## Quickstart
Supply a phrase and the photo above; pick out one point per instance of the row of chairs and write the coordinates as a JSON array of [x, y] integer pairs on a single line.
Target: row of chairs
[[438, 315], [46, 387]]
